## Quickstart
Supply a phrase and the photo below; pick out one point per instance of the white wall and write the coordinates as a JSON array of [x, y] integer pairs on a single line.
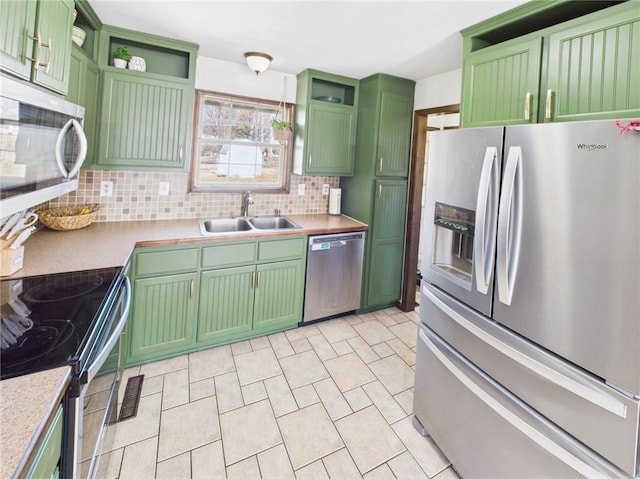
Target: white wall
[[438, 90], [236, 79]]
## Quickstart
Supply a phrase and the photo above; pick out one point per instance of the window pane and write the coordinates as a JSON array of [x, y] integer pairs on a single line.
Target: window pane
[[235, 147]]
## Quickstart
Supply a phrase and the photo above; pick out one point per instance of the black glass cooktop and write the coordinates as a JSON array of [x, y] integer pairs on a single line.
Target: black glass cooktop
[[45, 320]]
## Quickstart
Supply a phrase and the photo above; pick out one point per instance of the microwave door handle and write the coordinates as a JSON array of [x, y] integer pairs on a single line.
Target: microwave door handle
[[82, 140], [483, 242], [509, 226], [82, 143], [109, 345]]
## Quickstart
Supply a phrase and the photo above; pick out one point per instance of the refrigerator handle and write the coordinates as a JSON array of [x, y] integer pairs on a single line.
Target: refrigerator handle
[[509, 226], [486, 207]]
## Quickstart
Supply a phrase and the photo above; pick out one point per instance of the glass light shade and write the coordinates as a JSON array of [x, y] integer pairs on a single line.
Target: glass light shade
[[258, 62]]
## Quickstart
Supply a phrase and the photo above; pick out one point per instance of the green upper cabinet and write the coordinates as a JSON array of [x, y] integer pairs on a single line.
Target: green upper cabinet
[[145, 116], [84, 79], [325, 131], [501, 83], [594, 67], [35, 41], [583, 65], [394, 132]]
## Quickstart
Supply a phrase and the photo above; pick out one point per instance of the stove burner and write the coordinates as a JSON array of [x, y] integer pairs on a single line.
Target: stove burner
[[36, 342], [53, 290]]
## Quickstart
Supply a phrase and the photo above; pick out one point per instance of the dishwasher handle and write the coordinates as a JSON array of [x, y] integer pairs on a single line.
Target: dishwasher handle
[[333, 241]]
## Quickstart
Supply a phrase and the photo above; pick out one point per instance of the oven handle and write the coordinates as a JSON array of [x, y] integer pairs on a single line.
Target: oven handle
[[106, 350]]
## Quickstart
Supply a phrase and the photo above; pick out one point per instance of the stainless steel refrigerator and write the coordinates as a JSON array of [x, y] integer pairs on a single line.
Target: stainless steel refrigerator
[[528, 354]]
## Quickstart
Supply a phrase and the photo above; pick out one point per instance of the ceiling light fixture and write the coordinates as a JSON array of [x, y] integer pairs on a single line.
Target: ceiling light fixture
[[258, 62]]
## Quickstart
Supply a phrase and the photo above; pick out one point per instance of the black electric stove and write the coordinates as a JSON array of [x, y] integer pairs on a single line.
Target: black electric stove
[[49, 321]]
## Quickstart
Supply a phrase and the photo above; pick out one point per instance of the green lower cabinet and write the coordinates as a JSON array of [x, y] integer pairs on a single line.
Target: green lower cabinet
[[278, 295], [226, 303], [383, 265], [47, 460], [164, 312], [185, 299]]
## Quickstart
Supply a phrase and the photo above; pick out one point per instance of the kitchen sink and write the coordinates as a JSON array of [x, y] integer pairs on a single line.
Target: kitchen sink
[[272, 223], [220, 226]]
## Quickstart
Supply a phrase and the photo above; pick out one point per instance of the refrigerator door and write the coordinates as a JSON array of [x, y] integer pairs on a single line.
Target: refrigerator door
[[604, 419], [487, 432], [568, 261], [460, 214]]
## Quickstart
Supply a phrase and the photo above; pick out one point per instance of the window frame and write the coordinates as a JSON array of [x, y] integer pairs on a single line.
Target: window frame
[[288, 114]]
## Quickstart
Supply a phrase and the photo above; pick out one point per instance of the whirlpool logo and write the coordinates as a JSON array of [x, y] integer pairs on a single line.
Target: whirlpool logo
[[592, 146]]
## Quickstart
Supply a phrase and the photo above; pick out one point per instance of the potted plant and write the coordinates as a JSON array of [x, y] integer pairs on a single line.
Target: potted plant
[[120, 57], [281, 130]]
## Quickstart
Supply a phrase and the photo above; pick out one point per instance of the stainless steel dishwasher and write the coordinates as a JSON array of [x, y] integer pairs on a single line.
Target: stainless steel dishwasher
[[334, 275]]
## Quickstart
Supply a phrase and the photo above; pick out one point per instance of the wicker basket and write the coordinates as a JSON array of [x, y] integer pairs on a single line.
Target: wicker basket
[[69, 218]]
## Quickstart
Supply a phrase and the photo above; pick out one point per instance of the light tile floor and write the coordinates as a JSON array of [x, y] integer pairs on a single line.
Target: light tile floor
[[328, 400]]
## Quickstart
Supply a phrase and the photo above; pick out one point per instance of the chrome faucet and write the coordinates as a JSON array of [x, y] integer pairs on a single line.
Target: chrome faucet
[[246, 201]]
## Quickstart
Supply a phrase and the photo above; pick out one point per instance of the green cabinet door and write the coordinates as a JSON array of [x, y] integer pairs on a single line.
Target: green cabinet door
[[383, 280], [55, 19], [594, 67], [46, 462], [394, 134], [501, 83], [278, 295], [325, 130], [143, 121], [84, 76], [330, 140], [163, 316], [226, 303], [17, 30]]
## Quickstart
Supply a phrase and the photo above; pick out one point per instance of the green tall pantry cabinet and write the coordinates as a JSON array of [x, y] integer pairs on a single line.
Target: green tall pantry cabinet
[[376, 194]]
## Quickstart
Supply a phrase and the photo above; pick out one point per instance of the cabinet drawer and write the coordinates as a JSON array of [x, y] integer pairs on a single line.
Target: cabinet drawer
[[281, 249], [155, 262], [228, 255]]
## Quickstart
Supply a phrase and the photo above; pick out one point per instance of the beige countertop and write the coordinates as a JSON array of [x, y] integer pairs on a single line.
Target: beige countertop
[[102, 245], [27, 404]]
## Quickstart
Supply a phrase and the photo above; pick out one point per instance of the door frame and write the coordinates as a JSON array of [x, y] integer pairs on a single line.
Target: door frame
[[414, 204]]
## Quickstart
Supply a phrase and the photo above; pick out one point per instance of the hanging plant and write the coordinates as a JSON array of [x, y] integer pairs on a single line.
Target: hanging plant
[[281, 130]]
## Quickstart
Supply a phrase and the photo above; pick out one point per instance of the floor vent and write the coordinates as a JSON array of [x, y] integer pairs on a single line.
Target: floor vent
[[131, 399]]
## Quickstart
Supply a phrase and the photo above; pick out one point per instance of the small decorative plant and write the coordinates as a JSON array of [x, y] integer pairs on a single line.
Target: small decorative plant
[[120, 57], [121, 53]]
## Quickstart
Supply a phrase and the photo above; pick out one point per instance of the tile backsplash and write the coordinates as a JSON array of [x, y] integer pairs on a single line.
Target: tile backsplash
[[135, 197]]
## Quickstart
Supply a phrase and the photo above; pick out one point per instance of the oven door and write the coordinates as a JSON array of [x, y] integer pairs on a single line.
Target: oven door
[[95, 407]]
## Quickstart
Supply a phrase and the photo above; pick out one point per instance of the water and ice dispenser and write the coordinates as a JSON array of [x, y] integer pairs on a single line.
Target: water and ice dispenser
[[453, 241]]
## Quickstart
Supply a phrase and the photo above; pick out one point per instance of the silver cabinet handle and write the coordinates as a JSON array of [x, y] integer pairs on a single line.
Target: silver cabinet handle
[[486, 207], [509, 226], [547, 110], [191, 287], [527, 106], [381, 163], [309, 162], [49, 47], [180, 153], [36, 58], [258, 280], [379, 191], [253, 280]]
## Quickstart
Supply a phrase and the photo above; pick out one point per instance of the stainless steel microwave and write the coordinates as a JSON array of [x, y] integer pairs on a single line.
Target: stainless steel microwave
[[42, 146]]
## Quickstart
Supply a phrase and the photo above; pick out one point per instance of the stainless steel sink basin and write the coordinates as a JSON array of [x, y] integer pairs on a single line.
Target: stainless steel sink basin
[[273, 223], [224, 225], [221, 226]]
